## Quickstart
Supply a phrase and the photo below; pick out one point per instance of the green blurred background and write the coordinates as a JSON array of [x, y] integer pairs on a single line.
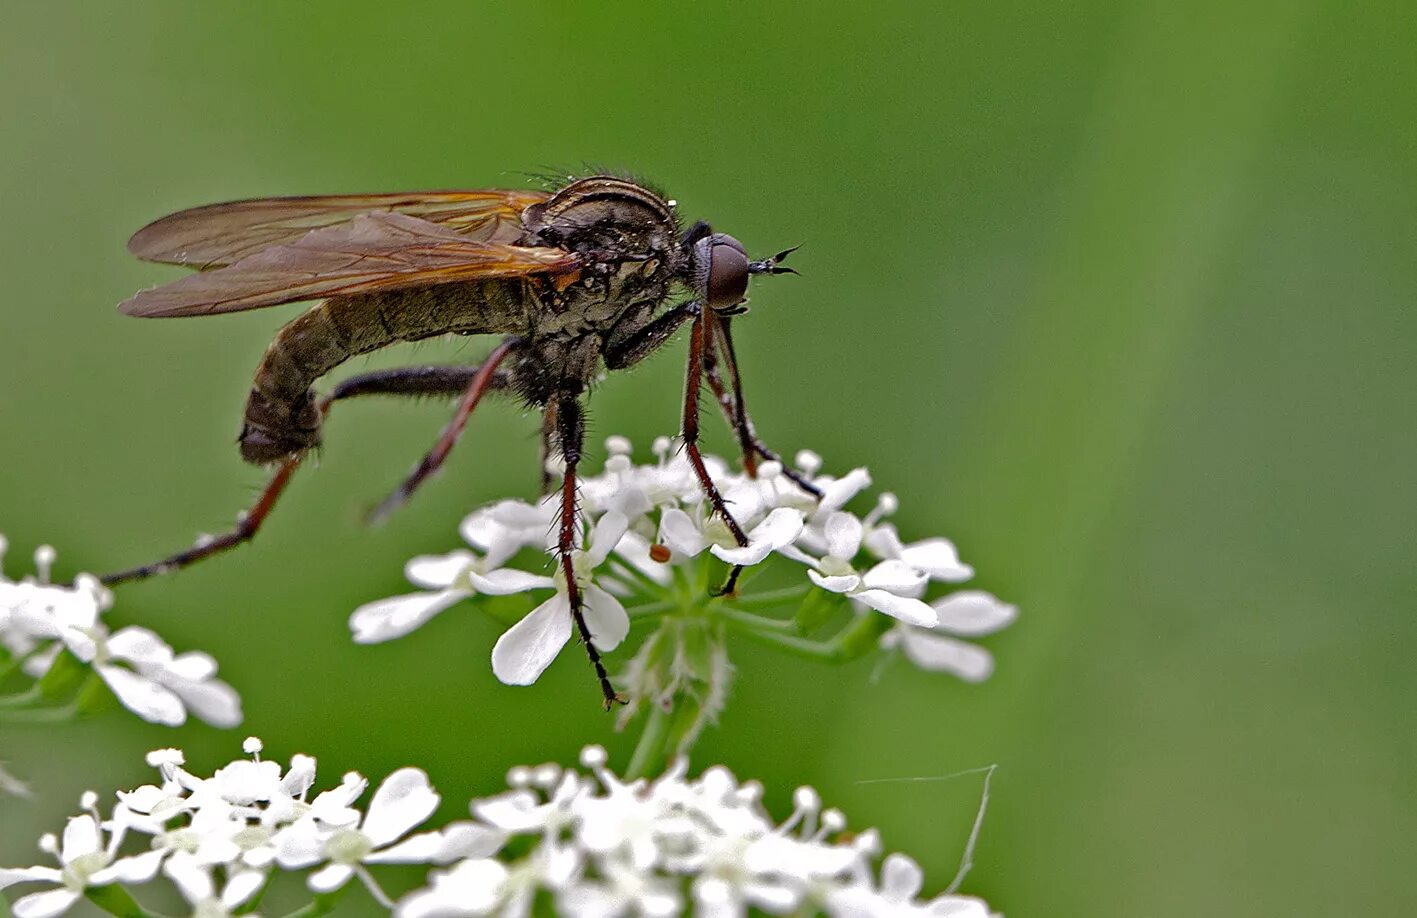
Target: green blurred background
[[1117, 295]]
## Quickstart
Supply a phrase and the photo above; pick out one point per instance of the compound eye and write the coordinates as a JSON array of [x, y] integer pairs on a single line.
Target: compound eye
[[727, 273]]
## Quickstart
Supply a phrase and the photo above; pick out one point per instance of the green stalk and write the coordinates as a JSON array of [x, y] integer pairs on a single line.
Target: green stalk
[[650, 751]]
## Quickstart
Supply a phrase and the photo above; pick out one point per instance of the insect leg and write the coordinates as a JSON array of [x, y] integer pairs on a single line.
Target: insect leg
[[401, 381], [247, 523], [569, 422], [480, 384], [736, 411], [693, 380]]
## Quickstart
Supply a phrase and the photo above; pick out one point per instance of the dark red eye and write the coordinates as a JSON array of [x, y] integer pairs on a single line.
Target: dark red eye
[[727, 271]]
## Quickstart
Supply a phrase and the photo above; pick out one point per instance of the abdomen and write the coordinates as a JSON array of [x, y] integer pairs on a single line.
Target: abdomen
[[281, 415]]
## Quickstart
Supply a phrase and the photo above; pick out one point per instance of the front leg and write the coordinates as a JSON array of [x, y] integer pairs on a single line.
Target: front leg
[[629, 343]]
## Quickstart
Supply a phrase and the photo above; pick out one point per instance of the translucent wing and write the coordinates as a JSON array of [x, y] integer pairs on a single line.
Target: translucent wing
[[373, 251], [220, 234]]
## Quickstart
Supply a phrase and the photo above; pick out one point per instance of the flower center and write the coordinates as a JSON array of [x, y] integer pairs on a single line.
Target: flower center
[[348, 846]]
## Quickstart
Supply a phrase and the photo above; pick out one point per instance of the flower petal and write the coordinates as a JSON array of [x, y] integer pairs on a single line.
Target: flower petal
[[938, 559], [453, 842], [607, 620], [11, 876], [505, 581], [241, 887], [776, 530], [911, 611], [45, 904], [402, 801], [385, 619], [679, 534], [945, 654], [606, 535], [143, 697], [136, 869], [896, 576], [838, 583], [438, 572], [214, 702], [81, 837], [973, 612], [843, 534], [330, 877], [524, 651]]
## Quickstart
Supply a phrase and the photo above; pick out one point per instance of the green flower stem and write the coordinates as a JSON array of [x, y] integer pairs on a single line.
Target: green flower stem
[[650, 752], [324, 904], [853, 641], [116, 901], [772, 597], [755, 622], [27, 698], [38, 715]]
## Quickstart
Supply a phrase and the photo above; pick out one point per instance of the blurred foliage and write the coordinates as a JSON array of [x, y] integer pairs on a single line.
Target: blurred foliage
[[1117, 295]]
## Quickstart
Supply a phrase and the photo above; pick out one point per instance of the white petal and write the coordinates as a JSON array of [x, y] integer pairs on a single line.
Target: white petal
[[301, 844], [453, 842], [143, 697], [81, 837], [9, 877], [634, 550], [524, 651], [140, 646], [45, 904], [606, 535], [505, 581], [896, 576], [843, 533], [330, 877], [607, 620], [438, 572], [214, 702], [241, 887], [136, 869], [901, 878], [193, 665], [912, 611], [470, 888], [839, 583], [945, 654], [837, 493], [778, 529], [403, 801], [937, 558], [973, 612], [191, 879], [385, 619], [679, 534]]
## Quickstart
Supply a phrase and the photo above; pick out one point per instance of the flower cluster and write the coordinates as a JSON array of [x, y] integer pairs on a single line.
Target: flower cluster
[[592, 843], [647, 529], [47, 629]]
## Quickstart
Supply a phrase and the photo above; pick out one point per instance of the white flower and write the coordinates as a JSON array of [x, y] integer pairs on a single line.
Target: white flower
[[193, 879], [447, 579], [404, 800], [891, 586], [85, 860], [39, 619], [969, 613], [524, 651]]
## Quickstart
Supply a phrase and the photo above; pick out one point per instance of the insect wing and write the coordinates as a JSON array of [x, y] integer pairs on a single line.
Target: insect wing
[[221, 234], [378, 251]]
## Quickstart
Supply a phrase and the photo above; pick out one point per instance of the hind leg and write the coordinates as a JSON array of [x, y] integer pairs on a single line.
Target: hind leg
[[405, 381]]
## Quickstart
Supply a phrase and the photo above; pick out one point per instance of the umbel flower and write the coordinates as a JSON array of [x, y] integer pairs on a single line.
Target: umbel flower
[[56, 634], [587, 840], [650, 549]]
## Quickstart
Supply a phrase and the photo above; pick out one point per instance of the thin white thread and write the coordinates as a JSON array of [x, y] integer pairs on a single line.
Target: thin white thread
[[966, 861]]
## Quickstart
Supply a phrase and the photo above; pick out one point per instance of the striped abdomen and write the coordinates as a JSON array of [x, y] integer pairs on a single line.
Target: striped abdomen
[[281, 414]]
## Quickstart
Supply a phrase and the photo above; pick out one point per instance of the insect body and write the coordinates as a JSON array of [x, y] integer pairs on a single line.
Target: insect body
[[573, 280]]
